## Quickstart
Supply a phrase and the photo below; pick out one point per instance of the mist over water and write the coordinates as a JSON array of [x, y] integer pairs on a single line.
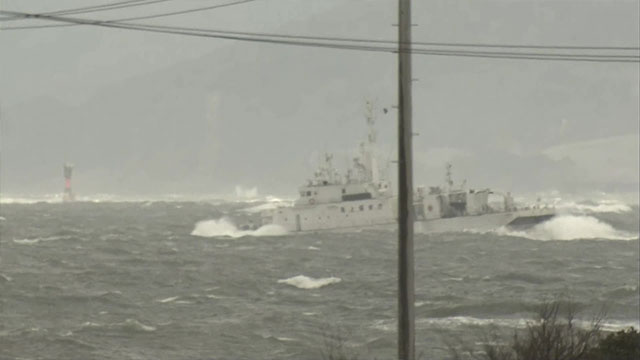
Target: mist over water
[[175, 279]]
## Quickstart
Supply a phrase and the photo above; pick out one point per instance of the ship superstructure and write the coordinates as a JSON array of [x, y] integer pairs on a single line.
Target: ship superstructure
[[455, 208], [329, 200], [362, 198]]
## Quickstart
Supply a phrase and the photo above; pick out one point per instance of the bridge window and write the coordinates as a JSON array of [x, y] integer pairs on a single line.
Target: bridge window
[[344, 191], [342, 209], [379, 206], [361, 207], [370, 207], [308, 193]]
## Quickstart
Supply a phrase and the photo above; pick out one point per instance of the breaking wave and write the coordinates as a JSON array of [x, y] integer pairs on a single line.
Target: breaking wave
[[603, 206], [305, 282], [131, 325], [464, 321], [37, 240], [226, 228], [571, 227]]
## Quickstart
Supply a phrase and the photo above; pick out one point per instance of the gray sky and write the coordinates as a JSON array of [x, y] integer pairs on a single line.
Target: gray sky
[[151, 114]]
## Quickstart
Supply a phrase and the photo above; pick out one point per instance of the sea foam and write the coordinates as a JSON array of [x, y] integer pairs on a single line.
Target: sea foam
[[226, 228], [602, 206], [305, 282], [571, 227]]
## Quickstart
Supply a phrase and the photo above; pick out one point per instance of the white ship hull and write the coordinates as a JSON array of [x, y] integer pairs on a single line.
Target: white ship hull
[[380, 214], [362, 199], [486, 222]]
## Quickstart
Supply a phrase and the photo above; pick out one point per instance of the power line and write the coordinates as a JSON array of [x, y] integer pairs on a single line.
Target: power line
[[95, 8], [341, 39], [437, 44], [114, 6], [146, 17], [346, 46]]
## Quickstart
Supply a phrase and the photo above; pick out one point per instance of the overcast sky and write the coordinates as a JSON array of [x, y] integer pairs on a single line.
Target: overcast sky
[[151, 114]]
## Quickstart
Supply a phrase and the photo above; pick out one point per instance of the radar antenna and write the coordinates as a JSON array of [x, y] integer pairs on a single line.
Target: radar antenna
[[448, 178], [371, 122]]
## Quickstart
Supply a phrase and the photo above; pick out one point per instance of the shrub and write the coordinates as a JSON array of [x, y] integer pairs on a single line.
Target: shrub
[[622, 345], [554, 335]]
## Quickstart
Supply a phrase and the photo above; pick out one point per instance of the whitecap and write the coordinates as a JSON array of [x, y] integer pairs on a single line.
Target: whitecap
[[285, 339], [91, 324], [457, 321], [26, 241], [224, 227], [6, 278], [2, 218], [135, 324], [305, 282], [602, 206], [169, 299], [313, 248], [570, 227]]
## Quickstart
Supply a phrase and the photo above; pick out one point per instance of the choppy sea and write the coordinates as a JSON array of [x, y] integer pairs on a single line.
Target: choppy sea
[[177, 280]]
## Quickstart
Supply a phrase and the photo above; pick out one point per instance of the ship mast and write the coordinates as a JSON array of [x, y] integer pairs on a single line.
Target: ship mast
[[370, 155], [406, 325]]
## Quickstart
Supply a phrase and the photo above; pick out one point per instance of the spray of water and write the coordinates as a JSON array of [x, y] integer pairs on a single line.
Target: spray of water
[[571, 227], [224, 227]]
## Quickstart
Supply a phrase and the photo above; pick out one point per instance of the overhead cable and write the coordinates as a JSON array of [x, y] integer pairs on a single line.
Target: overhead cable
[[145, 17], [327, 38], [302, 41], [95, 8]]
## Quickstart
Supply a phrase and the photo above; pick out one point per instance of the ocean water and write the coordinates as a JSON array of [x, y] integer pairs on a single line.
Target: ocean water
[[177, 280]]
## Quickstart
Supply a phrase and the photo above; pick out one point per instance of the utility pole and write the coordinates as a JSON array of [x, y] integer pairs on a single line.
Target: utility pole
[[406, 324]]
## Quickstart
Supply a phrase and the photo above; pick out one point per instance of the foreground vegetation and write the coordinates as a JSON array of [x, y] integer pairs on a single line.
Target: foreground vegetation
[[553, 335]]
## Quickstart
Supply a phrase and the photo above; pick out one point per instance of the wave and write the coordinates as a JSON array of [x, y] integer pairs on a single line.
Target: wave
[[224, 227], [570, 227], [525, 277], [270, 205], [169, 299], [38, 240], [128, 325], [305, 282], [463, 321], [623, 292], [500, 308], [602, 206], [244, 196]]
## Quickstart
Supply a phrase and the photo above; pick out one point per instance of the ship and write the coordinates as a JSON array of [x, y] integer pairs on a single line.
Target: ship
[[362, 198]]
